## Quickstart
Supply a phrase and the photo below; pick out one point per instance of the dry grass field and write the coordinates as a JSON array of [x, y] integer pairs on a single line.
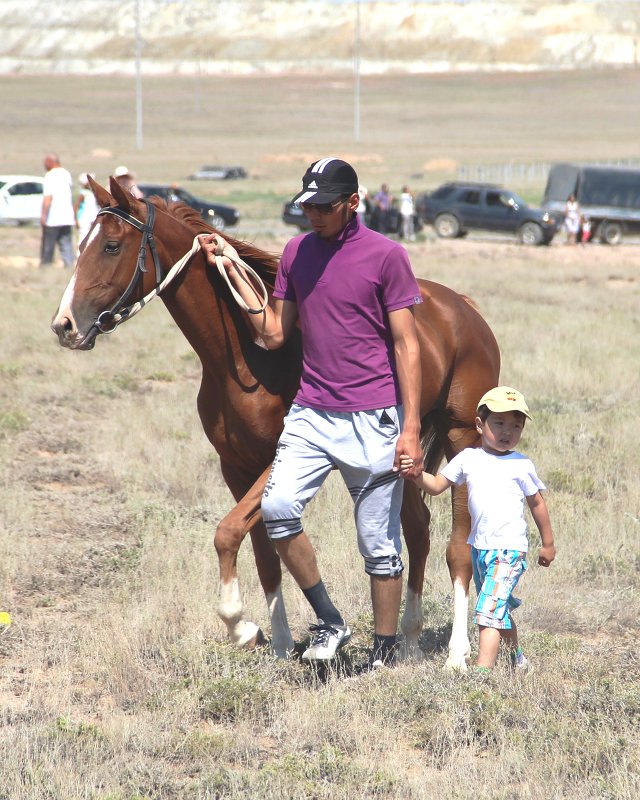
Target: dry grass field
[[116, 682]]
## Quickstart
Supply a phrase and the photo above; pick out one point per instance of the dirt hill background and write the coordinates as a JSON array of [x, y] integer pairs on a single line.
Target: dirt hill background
[[245, 36]]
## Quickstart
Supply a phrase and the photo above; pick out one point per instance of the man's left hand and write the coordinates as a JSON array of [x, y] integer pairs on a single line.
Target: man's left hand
[[410, 449]]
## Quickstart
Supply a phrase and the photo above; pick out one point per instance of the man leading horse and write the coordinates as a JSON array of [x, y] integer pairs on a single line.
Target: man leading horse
[[357, 409]]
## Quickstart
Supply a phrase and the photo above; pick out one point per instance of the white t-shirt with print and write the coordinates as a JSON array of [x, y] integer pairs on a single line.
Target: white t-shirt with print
[[57, 183], [497, 487]]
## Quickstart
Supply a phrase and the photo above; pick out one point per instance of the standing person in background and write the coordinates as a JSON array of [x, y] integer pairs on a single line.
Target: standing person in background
[[572, 219], [382, 203], [86, 207], [352, 292], [363, 204], [407, 212], [58, 217], [127, 180]]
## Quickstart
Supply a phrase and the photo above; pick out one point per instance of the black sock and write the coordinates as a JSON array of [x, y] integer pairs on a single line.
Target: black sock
[[322, 605], [384, 648]]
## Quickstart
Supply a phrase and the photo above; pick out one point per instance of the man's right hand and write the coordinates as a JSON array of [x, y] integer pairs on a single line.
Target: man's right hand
[[209, 245]]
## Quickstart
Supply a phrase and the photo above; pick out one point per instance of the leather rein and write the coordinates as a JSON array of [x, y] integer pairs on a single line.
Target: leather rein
[[120, 312]]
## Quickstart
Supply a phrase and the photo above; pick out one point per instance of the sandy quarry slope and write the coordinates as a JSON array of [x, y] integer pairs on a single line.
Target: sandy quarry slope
[[244, 36]]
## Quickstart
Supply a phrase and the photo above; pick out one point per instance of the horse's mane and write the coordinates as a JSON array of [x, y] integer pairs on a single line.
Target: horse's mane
[[265, 264]]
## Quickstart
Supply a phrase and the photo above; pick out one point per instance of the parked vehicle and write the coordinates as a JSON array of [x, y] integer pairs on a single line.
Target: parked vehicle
[[20, 198], [292, 214], [217, 215], [608, 196], [456, 208], [218, 173]]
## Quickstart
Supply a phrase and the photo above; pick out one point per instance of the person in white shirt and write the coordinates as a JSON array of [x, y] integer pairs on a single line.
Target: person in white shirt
[[86, 206], [498, 480], [58, 216], [407, 212]]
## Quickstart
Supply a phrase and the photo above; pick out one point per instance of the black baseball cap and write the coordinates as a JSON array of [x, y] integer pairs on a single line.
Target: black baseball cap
[[326, 180]]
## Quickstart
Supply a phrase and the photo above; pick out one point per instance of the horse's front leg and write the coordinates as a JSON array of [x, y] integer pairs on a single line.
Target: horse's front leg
[[228, 538], [459, 563], [415, 526]]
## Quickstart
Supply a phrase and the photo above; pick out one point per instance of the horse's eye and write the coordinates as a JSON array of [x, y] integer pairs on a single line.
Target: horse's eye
[[112, 248]]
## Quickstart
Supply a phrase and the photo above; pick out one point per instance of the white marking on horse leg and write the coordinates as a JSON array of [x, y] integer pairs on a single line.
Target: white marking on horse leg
[[459, 644], [411, 624], [230, 608], [282, 643]]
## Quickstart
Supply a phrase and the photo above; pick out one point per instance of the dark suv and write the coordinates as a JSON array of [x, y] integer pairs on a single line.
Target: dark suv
[[217, 215], [455, 208]]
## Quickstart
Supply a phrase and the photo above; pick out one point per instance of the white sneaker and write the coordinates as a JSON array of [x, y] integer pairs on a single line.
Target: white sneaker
[[520, 663], [326, 640]]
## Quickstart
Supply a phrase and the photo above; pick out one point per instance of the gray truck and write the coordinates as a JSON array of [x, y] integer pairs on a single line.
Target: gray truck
[[608, 196]]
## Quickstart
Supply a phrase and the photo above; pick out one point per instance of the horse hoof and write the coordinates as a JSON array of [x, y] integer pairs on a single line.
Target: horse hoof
[[454, 664], [257, 640], [410, 651]]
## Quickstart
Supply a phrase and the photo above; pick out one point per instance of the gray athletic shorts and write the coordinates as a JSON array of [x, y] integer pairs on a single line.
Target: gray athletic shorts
[[361, 444]]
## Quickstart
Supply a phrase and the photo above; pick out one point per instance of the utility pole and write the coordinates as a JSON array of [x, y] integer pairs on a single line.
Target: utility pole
[[138, 51], [356, 69]]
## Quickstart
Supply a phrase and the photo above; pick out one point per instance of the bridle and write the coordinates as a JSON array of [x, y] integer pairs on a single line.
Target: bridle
[[119, 312], [109, 320]]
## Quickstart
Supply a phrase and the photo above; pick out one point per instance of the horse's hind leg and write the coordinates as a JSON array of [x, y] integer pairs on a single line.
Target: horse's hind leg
[[415, 525], [229, 536]]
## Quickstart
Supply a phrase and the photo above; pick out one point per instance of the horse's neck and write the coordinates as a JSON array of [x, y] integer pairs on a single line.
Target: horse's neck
[[214, 330]]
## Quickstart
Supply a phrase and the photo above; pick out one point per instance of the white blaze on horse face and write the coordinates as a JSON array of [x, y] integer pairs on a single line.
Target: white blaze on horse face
[[93, 234], [64, 309], [66, 304]]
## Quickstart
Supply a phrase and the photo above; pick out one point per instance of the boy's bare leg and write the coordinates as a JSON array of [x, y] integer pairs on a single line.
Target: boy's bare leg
[[488, 647], [510, 637]]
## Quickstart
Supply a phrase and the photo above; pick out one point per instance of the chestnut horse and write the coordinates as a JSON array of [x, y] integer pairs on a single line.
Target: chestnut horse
[[245, 390]]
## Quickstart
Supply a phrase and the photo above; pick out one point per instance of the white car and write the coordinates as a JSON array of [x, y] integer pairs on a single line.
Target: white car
[[20, 198]]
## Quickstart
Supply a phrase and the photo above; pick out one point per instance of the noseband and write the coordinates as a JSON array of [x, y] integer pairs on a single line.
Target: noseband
[[109, 320]]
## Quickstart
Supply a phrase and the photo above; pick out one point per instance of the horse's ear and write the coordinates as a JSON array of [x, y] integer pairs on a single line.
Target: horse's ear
[[102, 196], [123, 198]]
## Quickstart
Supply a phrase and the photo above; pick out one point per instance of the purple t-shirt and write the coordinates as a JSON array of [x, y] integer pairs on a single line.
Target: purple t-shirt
[[344, 290]]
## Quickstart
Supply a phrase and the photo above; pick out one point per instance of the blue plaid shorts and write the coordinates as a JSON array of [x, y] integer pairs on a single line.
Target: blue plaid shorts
[[496, 574]]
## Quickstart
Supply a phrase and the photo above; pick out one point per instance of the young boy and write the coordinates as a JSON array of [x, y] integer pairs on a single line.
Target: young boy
[[498, 479]]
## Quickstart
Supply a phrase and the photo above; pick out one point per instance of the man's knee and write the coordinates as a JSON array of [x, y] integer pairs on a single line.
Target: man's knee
[[384, 566], [281, 516]]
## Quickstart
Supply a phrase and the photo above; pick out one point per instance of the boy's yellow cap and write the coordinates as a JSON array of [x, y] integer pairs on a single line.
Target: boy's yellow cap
[[505, 398]]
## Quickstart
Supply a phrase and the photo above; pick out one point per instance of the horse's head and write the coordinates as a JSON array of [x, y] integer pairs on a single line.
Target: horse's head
[[111, 271]]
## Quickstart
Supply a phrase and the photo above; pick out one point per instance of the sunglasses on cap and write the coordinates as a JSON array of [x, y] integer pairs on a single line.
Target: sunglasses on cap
[[323, 208]]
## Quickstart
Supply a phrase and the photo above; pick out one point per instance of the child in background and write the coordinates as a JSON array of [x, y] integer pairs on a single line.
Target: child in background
[[86, 207], [498, 479]]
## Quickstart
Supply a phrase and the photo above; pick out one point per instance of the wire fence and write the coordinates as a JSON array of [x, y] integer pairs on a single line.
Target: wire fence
[[533, 172]]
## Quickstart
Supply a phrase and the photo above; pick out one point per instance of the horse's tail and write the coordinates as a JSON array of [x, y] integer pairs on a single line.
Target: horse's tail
[[432, 449]]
